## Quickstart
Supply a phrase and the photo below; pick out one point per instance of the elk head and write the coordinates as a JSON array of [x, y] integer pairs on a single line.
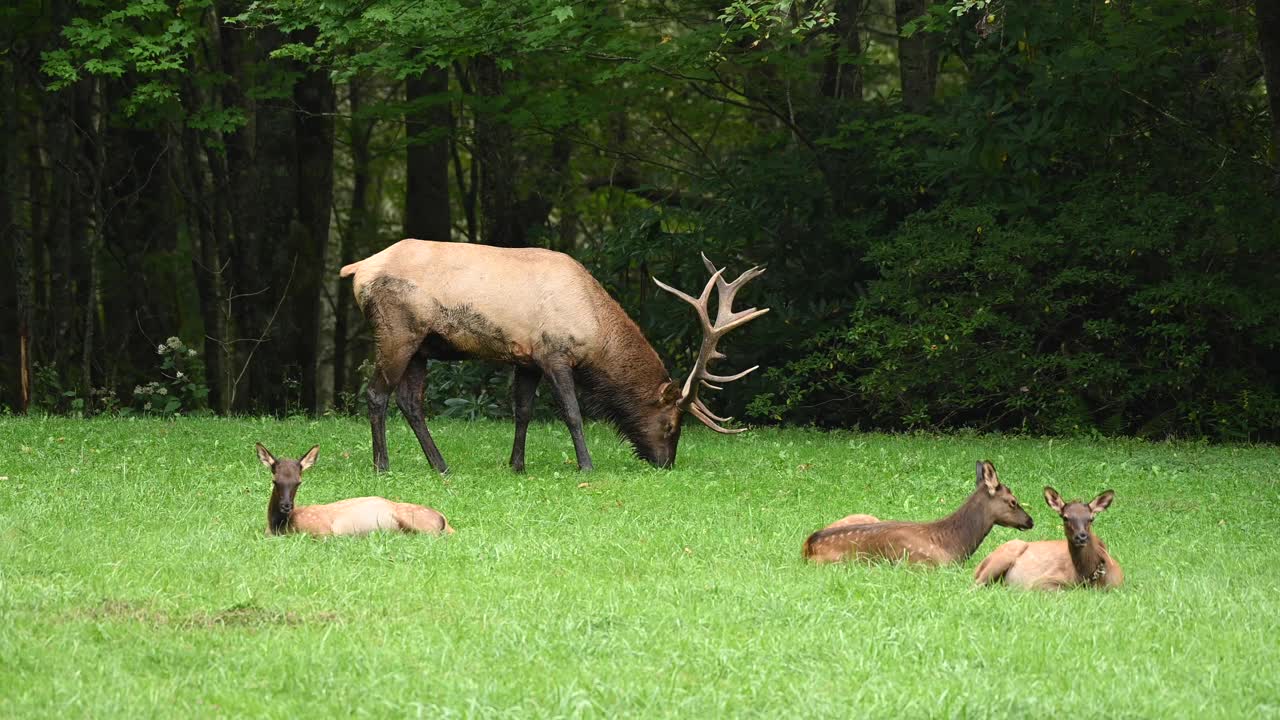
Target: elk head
[[663, 435], [286, 476], [1077, 517], [1003, 506]]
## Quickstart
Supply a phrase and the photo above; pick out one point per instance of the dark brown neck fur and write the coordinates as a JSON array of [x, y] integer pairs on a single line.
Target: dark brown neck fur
[[277, 522], [1087, 560], [623, 382], [964, 529]]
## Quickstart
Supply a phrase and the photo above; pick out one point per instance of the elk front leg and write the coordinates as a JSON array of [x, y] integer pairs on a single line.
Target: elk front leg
[[409, 398], [526, 385], [561, 377]]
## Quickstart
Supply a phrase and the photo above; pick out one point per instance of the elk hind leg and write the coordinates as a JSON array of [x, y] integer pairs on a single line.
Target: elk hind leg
[[526, 384], [417, 519], [995, 566], [853, 520], [389, 368], [409, 398]]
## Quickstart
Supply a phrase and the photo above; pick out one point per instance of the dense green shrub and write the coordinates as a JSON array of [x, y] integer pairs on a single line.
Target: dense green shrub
[[1123, 313]]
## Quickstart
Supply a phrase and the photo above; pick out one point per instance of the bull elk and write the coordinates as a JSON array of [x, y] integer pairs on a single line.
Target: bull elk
[[1081, 559], [942, 542], [542, 312], [357, 516]]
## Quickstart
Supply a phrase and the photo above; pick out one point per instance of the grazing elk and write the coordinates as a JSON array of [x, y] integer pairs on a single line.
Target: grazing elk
[[542, 312], [357, 516], [1081, 559], [949, 540]]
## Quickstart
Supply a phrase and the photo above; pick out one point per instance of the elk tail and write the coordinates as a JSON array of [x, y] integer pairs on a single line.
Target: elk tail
[[349, 270]]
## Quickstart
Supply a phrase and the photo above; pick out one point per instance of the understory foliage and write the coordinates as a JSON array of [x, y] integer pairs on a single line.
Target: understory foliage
[[1087, 321]]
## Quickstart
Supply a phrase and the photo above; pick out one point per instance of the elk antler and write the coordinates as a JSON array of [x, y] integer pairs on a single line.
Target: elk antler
[[726, 320]]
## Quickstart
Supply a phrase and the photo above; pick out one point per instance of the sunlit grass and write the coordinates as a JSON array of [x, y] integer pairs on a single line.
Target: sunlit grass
[[135, 579]]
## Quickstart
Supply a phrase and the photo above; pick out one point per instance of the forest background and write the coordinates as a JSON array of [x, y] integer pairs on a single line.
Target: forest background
[[1048, 216]]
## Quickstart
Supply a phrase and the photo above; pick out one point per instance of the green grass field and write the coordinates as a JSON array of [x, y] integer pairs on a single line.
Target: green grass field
[[135, 579]]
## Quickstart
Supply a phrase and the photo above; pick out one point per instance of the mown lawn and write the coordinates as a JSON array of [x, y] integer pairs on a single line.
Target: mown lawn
[[135, 579]]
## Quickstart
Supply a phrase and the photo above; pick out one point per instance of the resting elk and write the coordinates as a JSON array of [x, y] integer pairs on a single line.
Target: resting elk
[[1081, 559], [942, 542], [357, 516], [542, 312]]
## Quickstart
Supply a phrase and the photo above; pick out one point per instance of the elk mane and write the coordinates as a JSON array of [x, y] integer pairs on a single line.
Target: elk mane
[[621, 386]]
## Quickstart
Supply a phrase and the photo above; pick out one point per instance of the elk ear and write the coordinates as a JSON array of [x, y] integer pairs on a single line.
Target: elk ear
[[310, 458], [668, 393], [987, 477], [265, 455], [1102, 502], [1053, 499]]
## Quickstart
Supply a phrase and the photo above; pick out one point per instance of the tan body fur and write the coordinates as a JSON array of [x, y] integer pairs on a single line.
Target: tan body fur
[[907, 541], [363, 515], [941, 542], [531, 302]]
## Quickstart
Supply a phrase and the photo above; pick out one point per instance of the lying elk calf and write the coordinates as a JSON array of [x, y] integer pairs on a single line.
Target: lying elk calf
[[357, 516], [1080, 559], [949, 540], [542, 312]]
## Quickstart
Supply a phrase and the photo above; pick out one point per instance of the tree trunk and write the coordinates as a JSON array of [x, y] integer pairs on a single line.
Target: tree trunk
[[427, 122], [1268, 15], [360, 131], [841, 77], [495, 150], [917, 58], [267, 257], [12, 232], [55, 322], [91, 122], [314, 98]]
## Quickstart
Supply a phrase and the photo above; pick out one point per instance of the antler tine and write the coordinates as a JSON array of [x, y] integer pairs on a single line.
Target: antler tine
[[707, 411], [729, 378], [706, 420], [726, 291]]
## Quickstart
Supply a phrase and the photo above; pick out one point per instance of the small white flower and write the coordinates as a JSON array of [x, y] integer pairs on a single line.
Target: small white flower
[[160, 349], [147, 406], [191, 353], [174, 343], [163, 391], [180, 375], [137, 389]]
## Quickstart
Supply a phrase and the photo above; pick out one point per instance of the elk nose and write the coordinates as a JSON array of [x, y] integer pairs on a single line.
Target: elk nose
[[1080, 538], [286, 507]]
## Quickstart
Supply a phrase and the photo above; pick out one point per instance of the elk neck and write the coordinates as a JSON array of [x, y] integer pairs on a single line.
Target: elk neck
[[621, 383], [277, 521], [1089, 560], [966, 528]]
